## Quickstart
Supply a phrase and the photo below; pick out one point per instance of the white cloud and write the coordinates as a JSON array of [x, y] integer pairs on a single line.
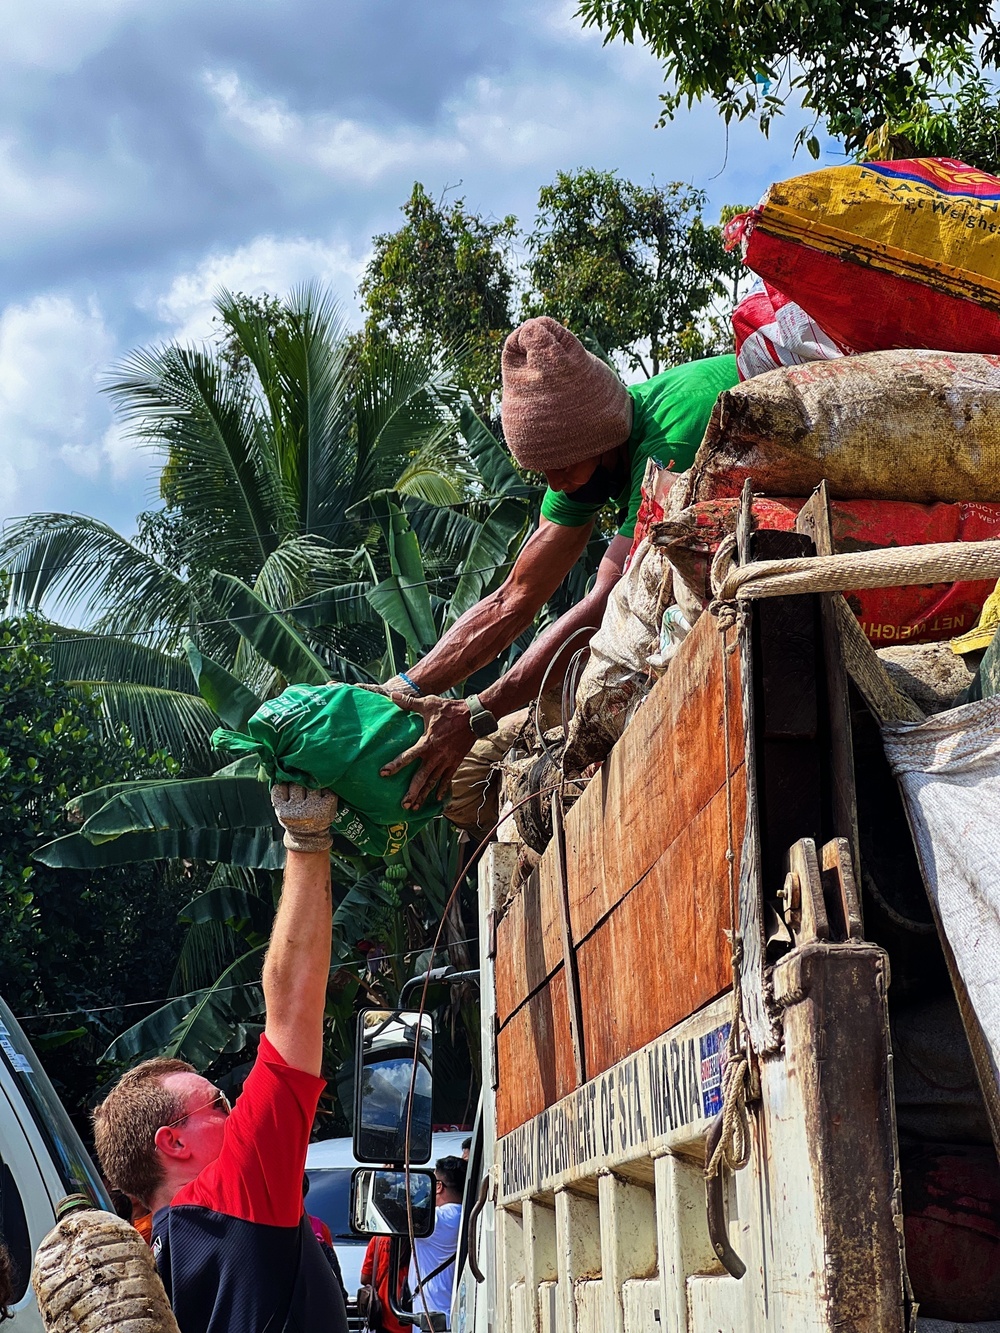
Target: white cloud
[[57, 35], [52, 352], [266, 264], [334, 145]]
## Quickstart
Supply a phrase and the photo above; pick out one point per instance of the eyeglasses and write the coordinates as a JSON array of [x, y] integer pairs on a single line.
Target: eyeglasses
[[220, 1102]]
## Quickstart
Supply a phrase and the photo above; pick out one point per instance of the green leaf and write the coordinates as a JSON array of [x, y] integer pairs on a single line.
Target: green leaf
[[403, 599], [491, 459], [157, 719], [79, 656], [812, 145], [224, 694], [199, 1027], [259, 848], [489, 557], [184, 804], [274, 637]]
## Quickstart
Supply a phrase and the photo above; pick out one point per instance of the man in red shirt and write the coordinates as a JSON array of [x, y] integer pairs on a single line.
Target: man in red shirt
[[232, 1243]]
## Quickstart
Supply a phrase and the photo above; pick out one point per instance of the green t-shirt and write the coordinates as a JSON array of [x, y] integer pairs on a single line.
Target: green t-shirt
[[669, 416]]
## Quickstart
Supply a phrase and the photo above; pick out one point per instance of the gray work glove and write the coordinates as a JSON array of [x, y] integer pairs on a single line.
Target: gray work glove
[[305, 816]]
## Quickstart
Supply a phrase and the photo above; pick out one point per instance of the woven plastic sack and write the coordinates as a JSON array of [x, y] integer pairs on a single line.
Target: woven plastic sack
[[914, 425], [925, 613], [772, 331], [339, 736], [885, 254], [618, 675], [948, 769]]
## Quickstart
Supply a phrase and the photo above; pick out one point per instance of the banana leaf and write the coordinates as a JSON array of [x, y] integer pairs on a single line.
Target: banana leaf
[[202, 1026], [223, 693], [183, 805], [491, 459], [258, 848], [274, 637], [489, 557], [403, 599]]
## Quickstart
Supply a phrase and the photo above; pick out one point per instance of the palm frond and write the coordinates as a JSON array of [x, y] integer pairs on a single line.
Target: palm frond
[[91, 570], [81, 656], [157, 719]]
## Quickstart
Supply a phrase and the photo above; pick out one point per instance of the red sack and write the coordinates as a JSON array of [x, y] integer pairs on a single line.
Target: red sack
[[772, 331], [926, 613], [885, 254]]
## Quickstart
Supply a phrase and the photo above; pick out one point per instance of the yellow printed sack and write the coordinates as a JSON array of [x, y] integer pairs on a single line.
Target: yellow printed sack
[[885, 255]]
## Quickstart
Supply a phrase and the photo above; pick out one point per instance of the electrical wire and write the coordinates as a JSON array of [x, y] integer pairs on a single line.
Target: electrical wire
[[86, 1010]]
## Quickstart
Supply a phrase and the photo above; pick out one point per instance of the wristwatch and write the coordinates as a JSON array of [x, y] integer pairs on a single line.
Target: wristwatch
[[481, 720]]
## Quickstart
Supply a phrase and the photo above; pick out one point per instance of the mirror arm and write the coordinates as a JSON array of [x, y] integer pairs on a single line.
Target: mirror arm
[[435, 974], [404, 1316]]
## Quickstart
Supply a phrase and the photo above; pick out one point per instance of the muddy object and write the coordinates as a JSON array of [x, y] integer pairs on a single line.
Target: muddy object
[[951, 1221], [618, 674], [933, 676], [534, 776], [93, 1273], [901, 425]]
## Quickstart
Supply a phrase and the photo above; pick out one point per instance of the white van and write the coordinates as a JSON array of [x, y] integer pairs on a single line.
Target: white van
[[42, 1159], [329, 1166]]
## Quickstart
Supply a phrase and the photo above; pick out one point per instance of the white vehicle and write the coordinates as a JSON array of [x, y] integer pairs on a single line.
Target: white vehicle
[[41, 1161], [329, 1166]]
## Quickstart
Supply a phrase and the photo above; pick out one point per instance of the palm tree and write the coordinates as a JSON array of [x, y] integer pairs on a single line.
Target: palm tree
[[269, 440]]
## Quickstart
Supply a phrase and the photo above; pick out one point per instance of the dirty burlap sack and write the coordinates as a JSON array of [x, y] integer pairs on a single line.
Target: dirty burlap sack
[[618, 675], [901, 425]]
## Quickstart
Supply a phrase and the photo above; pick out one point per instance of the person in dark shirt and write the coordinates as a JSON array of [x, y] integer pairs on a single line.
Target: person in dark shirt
[[230, 1235]]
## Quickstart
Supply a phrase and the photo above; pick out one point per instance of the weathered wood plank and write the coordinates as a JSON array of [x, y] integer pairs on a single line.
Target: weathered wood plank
[[535, 1052], [529, 947], [662, 952], [667, 767]]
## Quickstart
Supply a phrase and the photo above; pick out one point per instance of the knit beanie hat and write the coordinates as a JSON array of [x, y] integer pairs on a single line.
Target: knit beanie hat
[[561, 404]]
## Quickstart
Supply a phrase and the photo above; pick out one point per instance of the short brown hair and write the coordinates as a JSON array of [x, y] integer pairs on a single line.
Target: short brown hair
[[125, 1126]]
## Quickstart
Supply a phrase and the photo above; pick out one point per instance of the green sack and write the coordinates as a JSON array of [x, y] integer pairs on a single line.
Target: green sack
[[339, 736]]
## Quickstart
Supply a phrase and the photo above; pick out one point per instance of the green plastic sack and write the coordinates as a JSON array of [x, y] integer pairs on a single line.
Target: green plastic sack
[[339, 736]]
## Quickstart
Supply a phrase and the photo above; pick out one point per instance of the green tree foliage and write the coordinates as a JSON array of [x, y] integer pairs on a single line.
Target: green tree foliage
[[850, 63], [71, 941], [445, 280], [950, 110], [634, 267]]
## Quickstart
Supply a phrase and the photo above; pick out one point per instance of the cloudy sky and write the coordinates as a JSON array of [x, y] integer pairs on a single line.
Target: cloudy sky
[[153, 150]]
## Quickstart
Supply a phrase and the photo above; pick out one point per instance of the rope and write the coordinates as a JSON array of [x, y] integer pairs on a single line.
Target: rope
[[733, 1148], [890, 567]]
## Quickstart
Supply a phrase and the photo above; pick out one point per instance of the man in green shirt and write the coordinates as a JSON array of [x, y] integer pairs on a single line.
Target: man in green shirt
[[566, 414]]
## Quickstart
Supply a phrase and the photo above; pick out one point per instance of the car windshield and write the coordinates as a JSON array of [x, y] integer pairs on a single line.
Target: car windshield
[[329, 1198]]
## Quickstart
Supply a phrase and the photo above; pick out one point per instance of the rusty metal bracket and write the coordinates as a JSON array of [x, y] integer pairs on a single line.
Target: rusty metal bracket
[[715, 1198], [568, 951]]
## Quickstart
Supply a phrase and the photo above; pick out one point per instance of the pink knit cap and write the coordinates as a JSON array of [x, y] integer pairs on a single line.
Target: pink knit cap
[[561, 404]]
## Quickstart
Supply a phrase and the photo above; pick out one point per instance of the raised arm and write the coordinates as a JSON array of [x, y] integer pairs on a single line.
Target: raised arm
[[297, 966]]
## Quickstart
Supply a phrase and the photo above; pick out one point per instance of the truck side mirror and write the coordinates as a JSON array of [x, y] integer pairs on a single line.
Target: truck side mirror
[[378, 1202], [393, 1084]]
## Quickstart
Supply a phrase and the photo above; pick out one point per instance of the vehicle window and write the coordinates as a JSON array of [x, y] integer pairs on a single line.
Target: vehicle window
[[14, 1231], [76, 1171], [330, 1199]]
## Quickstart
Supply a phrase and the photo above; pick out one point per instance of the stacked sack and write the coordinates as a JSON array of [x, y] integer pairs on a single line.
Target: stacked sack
[[860, 269]]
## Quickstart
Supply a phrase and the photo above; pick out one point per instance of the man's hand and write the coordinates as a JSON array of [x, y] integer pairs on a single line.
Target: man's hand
[[447, 739], [305, 816]]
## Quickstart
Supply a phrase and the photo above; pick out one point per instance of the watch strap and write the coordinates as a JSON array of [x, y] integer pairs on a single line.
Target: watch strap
[[481, 720]]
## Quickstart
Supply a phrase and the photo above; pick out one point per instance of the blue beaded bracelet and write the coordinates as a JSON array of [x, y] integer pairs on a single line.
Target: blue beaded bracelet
[[412, 683]]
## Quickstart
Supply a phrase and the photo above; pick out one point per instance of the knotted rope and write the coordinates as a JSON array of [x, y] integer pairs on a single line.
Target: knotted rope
[[888, 567]]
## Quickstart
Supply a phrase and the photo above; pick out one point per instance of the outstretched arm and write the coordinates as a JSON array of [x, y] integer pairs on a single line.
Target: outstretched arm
[[481, 635], [448, 735], [297, 966]]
